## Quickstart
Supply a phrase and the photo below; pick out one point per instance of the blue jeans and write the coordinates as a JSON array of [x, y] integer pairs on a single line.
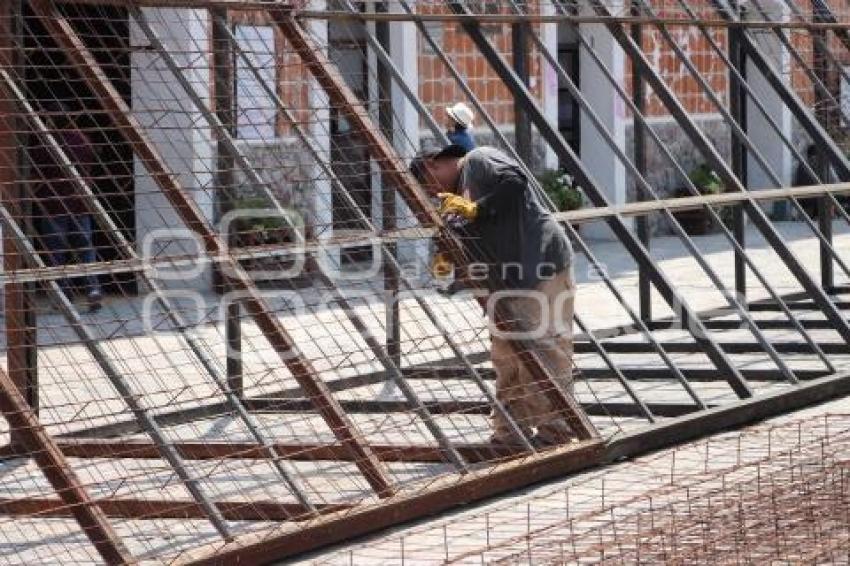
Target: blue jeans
[[66, 234]]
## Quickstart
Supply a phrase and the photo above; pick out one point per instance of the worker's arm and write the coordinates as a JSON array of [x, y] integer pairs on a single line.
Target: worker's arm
[[508, 188]]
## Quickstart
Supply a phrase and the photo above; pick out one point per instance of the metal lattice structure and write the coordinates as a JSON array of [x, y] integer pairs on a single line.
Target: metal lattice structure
[[272, 369]]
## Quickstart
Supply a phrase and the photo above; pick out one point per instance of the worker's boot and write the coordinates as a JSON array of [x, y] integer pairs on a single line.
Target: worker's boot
[[554, 434], [95, 301]]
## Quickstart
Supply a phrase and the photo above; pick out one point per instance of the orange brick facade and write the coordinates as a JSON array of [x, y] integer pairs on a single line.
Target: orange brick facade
[[437, 89]]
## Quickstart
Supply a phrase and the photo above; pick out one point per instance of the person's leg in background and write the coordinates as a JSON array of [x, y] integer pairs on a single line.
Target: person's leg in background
[[54, 236], [82, 240]]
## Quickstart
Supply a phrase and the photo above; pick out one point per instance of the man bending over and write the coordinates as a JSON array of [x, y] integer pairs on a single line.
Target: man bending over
[[526, 261]]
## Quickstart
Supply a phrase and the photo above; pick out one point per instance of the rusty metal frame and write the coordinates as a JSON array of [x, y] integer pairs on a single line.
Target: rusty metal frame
[[74, 500], [343, 521], [395, 172], [301, 369]]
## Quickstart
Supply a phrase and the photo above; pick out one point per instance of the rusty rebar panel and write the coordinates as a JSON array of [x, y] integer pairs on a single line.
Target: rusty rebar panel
[[396, 173], [31, 435], [301, 368]]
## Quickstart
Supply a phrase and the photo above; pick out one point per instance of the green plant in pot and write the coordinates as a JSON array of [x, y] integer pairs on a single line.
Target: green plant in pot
[[697, 221], [254, 230], [560, 187]]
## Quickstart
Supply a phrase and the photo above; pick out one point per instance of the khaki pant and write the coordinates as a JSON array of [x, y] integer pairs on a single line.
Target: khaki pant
[[551, 314]]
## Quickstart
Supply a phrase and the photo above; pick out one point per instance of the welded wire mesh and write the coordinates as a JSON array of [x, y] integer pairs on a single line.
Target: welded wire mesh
[[219, 293]]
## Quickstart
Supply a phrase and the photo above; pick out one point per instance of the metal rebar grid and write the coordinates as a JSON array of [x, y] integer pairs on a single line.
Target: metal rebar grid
[[773, 491], [217, 298]]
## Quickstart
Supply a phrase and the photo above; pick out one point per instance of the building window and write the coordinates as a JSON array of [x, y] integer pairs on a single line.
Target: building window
[[256, 111]]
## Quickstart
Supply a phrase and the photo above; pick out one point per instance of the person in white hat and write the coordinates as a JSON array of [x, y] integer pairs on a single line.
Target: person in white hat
[[459, 133]]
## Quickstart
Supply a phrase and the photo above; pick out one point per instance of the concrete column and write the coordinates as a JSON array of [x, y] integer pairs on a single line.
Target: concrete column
[[549, 86], [319, 128], [762, 134], [601, 161], [404, 51], [179, 133]]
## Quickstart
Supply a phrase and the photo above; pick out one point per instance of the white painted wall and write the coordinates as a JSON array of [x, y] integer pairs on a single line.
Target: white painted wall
[[404, 51], [762, 134], [600, 160], [549, 88], [177, 130]]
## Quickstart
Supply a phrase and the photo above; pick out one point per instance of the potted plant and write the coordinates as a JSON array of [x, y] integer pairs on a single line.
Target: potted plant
[[697, 221], [561, 188]]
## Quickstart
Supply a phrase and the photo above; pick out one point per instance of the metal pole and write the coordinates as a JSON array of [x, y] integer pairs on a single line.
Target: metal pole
[[520, 46], [224, 85], [825, 108], [639, 135], [388, 200], [20, 320], [738, 110]]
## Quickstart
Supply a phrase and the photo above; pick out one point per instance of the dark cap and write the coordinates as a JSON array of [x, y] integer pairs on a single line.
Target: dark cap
[[417, 166]]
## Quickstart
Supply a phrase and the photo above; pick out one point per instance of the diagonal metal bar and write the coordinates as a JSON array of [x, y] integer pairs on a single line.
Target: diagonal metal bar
[[616, 223], [736, 242], [73, 496], [814, 129], [280, 340], [742, 137], [585, 250], [739, 78], [756, 214], [821, 12], [182, 327], [395, 172], [251, 174], [683, 236], [144, 418]]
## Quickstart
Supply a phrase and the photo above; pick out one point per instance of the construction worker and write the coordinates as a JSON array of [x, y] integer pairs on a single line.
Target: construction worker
[[460, 126], [526, 259]]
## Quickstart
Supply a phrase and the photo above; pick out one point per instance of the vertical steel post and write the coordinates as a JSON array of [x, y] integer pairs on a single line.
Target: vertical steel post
[[738, 110], [520, 45], [825, 113], [21, 324], [388, 199], [639, 136], [224, 87]]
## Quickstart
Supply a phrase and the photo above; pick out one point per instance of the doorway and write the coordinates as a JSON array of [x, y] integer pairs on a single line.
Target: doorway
[[349, 154], [49, 77]]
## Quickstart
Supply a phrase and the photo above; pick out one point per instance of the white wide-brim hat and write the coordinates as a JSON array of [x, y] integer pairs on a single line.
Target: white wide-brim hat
[[461, 113]]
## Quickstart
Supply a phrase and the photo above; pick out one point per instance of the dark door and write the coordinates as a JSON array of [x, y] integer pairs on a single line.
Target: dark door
[[50, 77], [349, 154]]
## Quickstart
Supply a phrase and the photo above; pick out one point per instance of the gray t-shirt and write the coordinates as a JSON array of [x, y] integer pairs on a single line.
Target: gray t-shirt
[[513, 233]]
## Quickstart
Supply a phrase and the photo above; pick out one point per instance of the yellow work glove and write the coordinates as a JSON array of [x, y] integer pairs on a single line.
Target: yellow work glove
[[457, 205], [441, 267]]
